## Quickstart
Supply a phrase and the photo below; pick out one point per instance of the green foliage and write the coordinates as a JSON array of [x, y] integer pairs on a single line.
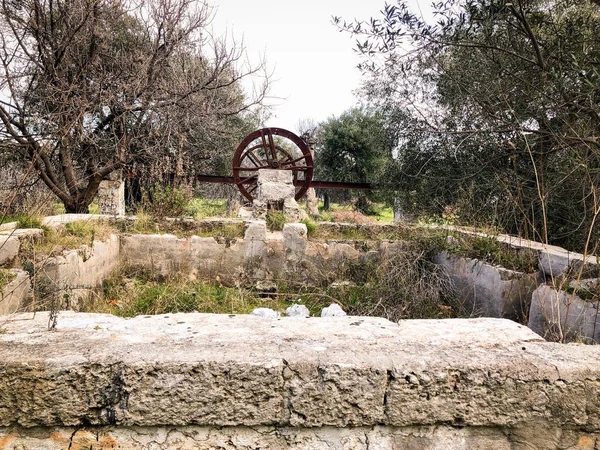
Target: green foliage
[[130, 294], [275, 220], [489, 250], [165, 201], [28, 221], [353, 147], [312, 227], [200, 208], [493, 112]]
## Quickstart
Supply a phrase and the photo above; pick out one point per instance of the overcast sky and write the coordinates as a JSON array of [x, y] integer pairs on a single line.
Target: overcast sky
[[314, 65]]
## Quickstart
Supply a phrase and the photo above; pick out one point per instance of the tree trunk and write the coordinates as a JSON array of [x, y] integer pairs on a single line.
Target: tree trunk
[[77, 208], [311, 197], [326, 202]]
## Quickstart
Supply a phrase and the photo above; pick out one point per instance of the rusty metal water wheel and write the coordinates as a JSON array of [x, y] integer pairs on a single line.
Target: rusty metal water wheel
[[272, 148]]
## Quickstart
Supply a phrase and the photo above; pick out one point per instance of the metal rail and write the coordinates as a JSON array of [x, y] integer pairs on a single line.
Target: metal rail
[[313, 183]]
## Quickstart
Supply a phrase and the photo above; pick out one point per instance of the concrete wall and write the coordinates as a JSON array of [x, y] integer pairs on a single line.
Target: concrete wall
[[259, 256], [15, 293], [241, 382], [76, 274], [485, 290], [489, 291], [560, 315]]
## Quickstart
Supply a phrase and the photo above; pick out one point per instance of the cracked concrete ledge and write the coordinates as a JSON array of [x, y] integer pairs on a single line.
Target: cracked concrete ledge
[[535, 436], [208, 370]]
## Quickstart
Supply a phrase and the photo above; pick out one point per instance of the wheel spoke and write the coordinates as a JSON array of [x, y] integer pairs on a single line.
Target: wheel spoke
[[265, 147], [272, 145], [252, 157], [294, 161], [245, 180]]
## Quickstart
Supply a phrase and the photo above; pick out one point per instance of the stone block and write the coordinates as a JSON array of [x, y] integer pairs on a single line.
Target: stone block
[[275, 185], [297, 311], [559, 312], [8, 226], [209, 370], [275, 176], [292, 211], [13, 295], [265, 312], [489, 291], [555, 262], [275, 192], [62, 219], [295, 236], [256, 230], [9, 249], [35, 233], [111, 195], [259, 209], [333, 310]]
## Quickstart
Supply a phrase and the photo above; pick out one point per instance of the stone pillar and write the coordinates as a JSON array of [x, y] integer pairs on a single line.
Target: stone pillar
[[111, 195], [276, 191], [311, 197]]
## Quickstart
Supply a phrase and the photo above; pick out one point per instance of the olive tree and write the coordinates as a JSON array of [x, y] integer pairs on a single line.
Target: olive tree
[[498, 99], [91, 86]]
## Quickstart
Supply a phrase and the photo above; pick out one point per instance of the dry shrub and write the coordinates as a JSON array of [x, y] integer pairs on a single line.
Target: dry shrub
[[411, 286]]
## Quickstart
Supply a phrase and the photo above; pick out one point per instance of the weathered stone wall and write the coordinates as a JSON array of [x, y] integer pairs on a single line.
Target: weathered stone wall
[[286, 255], [14, 294], [260, 256], [531, 436], [76, 274], [557, 314], [489, 291], [240, 382]]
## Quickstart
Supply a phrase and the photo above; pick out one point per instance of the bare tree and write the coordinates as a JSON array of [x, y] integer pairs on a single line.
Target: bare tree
[[89, 86]]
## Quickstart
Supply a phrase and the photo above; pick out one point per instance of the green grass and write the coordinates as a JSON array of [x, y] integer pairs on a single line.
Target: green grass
[[145, 224], [589, 294], [25, 221], [200, 208], [6, 276], [275, 220], [130, 294], [72, 235], [489, 250], [381, 212]]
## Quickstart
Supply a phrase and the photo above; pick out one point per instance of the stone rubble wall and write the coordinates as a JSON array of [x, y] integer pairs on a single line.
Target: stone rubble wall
[[489, 291], [261, 257], [76, 274], [225, 381]]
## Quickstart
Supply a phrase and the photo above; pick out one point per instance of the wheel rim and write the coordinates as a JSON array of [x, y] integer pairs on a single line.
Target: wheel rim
[[272, 148]]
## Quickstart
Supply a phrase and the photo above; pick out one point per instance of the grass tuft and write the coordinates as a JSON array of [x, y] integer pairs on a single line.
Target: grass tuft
[[275, 220]]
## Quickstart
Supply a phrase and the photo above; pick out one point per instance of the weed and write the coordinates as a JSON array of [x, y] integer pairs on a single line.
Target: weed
[[28, 221], [165, 201], [275, 220], [488, 249], [200, 208], [6, 276], [147, 294], [311, 227]]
